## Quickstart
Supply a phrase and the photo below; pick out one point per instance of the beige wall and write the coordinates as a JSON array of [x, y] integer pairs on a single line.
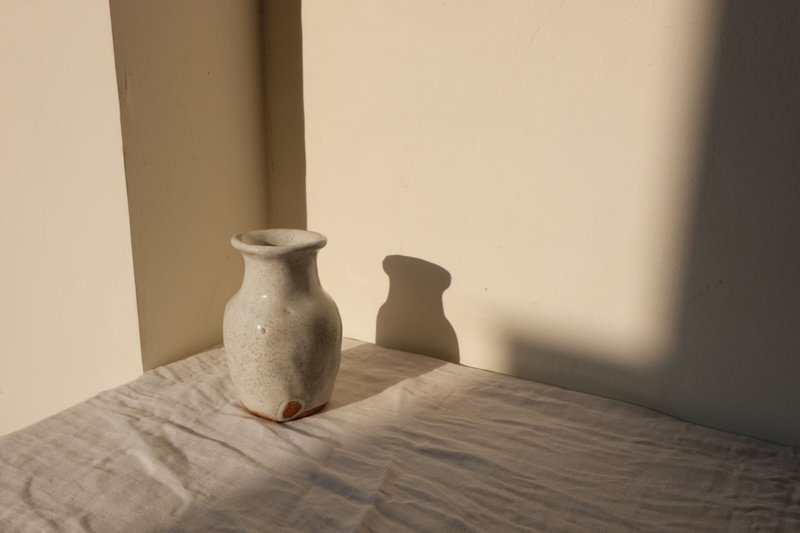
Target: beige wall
[[191, 93], [68, 306], [566, 169], [284, 142]]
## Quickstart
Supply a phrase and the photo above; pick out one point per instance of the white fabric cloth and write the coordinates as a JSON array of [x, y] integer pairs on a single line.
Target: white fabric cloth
[[408, 443]]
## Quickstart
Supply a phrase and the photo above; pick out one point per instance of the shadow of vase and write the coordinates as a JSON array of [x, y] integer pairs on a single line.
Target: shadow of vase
[[412, 319]]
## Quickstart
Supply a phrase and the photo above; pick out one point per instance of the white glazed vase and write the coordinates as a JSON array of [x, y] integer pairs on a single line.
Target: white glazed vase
[[282, 332]]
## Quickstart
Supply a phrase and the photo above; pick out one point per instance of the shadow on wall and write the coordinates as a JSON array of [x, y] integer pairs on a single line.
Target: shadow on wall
[[734, 362], [412, 318], [285, 148], [189, 75]]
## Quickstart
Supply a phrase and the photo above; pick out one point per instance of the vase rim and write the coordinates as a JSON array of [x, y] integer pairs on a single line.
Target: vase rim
[[278, 241]]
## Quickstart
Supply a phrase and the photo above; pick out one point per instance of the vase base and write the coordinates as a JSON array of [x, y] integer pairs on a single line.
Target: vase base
[[307, 412]]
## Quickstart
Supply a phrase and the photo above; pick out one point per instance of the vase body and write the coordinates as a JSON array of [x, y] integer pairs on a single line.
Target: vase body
[[282, 332]]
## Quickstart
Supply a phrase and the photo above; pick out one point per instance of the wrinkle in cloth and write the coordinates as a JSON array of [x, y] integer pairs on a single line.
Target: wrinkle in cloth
[[407, 443]]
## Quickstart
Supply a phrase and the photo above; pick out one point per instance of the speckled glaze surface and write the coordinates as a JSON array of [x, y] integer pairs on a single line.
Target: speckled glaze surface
[[282, 332]]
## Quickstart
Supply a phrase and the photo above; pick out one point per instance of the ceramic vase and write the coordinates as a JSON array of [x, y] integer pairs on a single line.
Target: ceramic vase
[[282, 332]]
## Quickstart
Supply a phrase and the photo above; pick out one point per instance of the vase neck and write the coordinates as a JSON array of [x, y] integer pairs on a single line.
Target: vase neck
[[276, 276]]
